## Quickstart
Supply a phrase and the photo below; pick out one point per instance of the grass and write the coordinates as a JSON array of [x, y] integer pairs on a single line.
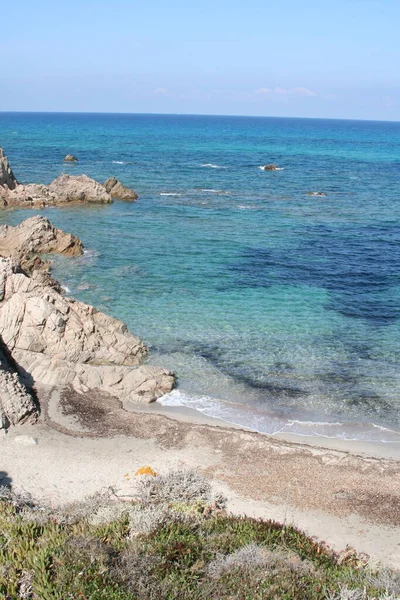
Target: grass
[[174, 541]]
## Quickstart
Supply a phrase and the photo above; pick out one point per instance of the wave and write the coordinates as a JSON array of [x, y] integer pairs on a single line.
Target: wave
[[170, 194], [212, 191], [211, 166], [66, 289], [118, 162], [254, 419]]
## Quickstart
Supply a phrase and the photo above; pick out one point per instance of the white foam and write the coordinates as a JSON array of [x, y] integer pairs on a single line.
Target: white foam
[[169, 194], [211, 166], [118, 162], [250, 417], [212, 191], [66, 289]]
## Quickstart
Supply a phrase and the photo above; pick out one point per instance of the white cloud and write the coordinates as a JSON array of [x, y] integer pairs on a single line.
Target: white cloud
[[280, 92], [160, 91]]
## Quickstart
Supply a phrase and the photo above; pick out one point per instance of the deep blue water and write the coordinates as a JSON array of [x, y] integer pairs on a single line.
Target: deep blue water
[[276, 309]]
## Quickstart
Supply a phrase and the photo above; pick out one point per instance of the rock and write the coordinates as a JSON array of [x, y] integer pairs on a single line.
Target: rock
[[16, 403], [270, 167], [142, 383], [78, 188], [37, 235], [117, 190], [57, 341], [317, 194], [64, 189], [70, 158], [7, 177]]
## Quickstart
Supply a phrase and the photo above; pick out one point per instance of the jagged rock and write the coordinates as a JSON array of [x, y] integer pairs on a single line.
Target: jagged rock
[[37, 318], [16, 404], [58, 341], [270, 167], [142, 383], [37, 235], [117, 190], [64, 189], [7, 177]]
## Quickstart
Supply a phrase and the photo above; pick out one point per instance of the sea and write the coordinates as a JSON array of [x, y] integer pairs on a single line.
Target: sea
[[277, 310]]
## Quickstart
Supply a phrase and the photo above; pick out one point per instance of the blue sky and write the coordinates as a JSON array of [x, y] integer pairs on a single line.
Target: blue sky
[[309, 58]]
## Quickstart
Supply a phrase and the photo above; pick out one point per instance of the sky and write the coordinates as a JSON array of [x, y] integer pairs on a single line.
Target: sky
[[295, 58]]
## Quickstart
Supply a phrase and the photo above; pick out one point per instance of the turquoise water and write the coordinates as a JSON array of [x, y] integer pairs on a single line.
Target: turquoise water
[[277, 310]]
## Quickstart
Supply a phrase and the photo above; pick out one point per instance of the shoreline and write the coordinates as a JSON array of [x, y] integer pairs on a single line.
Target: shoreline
[[390, 450], [84, 444]]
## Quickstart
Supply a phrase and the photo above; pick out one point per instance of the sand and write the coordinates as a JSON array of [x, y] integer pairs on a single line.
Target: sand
[[83, 444]]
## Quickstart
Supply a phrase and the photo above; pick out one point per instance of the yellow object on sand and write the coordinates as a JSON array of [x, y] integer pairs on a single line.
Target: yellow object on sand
[[146, 471]]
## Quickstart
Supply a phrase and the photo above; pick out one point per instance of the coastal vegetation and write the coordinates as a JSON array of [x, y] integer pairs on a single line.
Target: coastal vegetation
[[171, 539]]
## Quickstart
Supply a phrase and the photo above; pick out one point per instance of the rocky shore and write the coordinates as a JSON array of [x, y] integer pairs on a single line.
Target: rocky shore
[[65, 189], [51, 341]]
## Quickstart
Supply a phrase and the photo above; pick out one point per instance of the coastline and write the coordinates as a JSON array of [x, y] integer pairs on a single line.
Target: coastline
[[190, 415], [338, 495]]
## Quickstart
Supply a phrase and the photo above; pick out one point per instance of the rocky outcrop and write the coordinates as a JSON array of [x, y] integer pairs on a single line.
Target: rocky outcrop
[[7, 177], [65, 189], [37, 235], [57, 341], [16, 403], [78, 188], [117, 190]]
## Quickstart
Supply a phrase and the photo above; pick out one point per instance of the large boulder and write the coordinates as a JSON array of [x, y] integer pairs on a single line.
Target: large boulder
[[70, 158], [78, 188], [118, 190], [7, 177]]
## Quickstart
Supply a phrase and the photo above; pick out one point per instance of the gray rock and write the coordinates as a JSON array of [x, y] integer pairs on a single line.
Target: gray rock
[[117, 190], [64, 189], [78, 188], [70, 158], [37, 235], [56, 341], [7, 177], [16, 403]]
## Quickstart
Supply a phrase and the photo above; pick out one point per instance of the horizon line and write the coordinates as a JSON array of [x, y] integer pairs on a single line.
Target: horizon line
[[77, 112]]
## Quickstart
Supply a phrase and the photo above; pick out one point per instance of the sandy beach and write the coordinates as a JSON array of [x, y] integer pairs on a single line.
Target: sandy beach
[[86, 443]]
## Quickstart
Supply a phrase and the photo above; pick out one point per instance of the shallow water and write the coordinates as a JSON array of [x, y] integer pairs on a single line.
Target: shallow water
[[276, 309]]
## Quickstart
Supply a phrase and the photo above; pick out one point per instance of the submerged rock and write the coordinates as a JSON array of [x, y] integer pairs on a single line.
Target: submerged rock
[[117, 190], [317, 194], [270, 167], [70, 158]]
